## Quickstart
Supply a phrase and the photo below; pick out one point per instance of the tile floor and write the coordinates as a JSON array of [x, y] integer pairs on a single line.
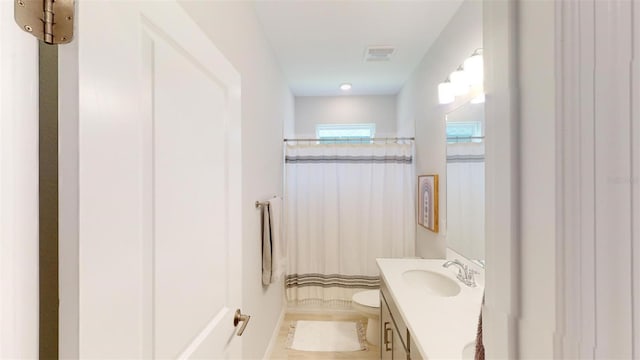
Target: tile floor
[[281, 352]]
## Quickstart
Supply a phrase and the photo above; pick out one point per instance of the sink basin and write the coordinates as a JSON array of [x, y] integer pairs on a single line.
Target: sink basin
[[433, 283], [469, 351]]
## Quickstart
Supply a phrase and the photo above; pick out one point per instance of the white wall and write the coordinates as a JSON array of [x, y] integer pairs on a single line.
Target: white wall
[[419, 112], [313, 110], [267, 105], [18, 189]]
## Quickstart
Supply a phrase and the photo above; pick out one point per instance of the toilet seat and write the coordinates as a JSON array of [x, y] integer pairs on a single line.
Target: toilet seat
[[367, 302], [370, 298]]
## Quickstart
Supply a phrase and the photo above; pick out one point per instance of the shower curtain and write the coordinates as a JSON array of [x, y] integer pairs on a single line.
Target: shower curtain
[[465, 199], [346, 205]]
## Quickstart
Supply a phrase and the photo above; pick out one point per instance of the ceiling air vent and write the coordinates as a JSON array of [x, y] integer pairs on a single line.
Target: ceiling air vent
[[379, 53]]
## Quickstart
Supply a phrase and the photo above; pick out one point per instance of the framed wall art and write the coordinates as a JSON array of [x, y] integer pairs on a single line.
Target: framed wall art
[[428, 202]]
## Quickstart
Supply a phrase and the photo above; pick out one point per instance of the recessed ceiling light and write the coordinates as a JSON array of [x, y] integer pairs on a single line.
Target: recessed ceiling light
[[345, 87]]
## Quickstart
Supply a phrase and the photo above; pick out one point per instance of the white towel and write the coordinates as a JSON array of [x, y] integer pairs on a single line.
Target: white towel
[[279, 251], [267, 245]]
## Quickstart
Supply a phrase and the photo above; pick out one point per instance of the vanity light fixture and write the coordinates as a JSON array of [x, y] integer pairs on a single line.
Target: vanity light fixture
[[474, 68], [345, 87], [445, 92], [468, 75], [459, 82], [478, 99]]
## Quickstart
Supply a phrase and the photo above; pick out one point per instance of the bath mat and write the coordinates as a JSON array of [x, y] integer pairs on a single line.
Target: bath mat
[[307, 335]]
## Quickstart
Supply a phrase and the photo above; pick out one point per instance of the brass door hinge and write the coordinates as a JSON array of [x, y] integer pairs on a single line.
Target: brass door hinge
[[49, 20]]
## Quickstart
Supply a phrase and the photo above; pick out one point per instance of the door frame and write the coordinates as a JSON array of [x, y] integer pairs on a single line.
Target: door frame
[[19, 222], [68, 211], [590, 42], [501, 308], [582, 257]]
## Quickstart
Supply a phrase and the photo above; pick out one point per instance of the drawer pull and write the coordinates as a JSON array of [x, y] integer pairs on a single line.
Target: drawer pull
[[387, 328]]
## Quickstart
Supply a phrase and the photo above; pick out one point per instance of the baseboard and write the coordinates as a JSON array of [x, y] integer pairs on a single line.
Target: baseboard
[[274, 336]]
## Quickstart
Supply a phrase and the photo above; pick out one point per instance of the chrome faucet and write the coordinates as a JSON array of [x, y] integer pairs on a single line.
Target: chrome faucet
[[465, 274]]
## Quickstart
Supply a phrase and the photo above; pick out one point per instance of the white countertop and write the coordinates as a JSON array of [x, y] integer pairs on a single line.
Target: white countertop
[[440, 326]]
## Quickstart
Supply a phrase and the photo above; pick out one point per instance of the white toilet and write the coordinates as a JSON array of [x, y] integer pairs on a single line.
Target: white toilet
[[367, 303]]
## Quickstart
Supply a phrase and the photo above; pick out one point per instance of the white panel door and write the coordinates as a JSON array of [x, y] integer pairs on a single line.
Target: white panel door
[[158, 228]]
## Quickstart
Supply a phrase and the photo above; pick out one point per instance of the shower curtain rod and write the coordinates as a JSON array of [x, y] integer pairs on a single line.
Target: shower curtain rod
[[353, 139]]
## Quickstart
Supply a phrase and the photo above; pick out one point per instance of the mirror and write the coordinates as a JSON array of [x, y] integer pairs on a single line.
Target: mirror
[[465, 180]]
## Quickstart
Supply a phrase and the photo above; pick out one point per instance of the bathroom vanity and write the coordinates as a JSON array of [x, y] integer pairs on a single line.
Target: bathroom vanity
[[396, 338], [426, 313]]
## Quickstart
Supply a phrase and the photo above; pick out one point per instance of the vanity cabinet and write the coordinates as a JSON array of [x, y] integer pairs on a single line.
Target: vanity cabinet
[[396, 339], [393, 345], [386, 332]]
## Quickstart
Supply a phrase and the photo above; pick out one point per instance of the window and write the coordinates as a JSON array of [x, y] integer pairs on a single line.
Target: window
[[345, 133], [463, 131]]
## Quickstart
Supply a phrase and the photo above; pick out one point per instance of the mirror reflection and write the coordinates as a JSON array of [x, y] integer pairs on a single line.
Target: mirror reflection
[[465, 180]]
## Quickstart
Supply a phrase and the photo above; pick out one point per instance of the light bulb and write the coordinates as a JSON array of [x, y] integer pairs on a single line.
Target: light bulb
[[445, 93], [460, 82], [474, 68], [345, 87]]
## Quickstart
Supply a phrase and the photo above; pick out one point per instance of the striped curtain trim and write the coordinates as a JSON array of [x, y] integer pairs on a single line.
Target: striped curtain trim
[[332, 280], [333, 303], [349, 159], [465, 158]]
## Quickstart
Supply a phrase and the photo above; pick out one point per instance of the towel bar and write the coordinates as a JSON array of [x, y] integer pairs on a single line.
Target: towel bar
[[263, 203]]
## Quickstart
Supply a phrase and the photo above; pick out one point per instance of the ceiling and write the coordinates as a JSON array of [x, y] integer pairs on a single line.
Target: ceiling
[[321, 44]]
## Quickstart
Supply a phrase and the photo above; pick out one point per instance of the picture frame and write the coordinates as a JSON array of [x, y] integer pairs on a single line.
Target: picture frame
[[428, 202]]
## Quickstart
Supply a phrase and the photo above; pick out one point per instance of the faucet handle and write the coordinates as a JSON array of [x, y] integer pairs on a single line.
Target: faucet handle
[[465, 269], [463, 275], [471, 281]]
